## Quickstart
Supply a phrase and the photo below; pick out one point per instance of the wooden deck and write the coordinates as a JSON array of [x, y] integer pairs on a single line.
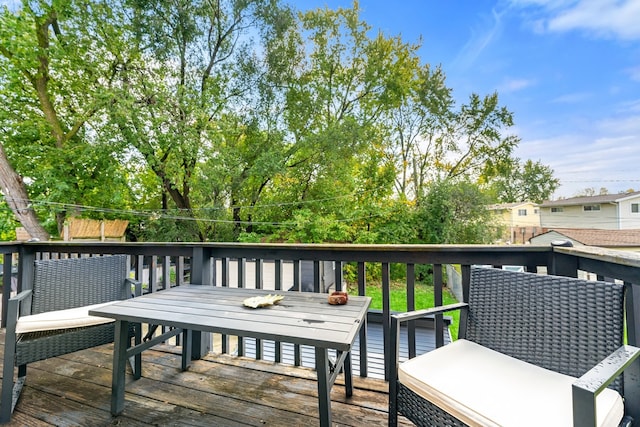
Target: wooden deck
[[219, 390]]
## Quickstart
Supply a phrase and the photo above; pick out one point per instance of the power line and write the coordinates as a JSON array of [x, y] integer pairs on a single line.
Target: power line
[[600, 180], [157, 214]]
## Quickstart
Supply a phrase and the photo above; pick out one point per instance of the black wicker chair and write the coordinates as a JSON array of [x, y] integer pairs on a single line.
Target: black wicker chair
[[57, 287], [563, 325]]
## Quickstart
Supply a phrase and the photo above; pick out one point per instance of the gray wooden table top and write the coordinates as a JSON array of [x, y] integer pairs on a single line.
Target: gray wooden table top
[[300, 318]]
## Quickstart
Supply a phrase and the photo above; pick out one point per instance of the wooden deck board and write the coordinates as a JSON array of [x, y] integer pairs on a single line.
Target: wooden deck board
[[74, 390]]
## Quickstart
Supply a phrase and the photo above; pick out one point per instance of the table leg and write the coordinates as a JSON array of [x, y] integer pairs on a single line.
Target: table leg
[[324, 387], [348, 375], [119, 366], [186, 348]]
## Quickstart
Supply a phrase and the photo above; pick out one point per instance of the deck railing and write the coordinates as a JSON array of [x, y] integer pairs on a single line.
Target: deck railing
[[278, 267]]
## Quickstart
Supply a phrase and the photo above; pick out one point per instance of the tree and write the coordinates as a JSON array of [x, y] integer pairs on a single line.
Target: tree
[[525, 181], [434, 140], [232, 119], [185, 68], [591, 191], [454, 213], [16, 197], [335, 101], [51, 88], [417, 125]]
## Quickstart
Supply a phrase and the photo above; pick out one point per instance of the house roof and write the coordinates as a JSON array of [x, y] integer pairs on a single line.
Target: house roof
[[595, 237], [585, 200], [509, 205]]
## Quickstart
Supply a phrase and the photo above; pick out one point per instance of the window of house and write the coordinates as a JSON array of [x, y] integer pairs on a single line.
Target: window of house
[[591, 208], [635, 207], [536, 211], [522, 212], [554, 210]]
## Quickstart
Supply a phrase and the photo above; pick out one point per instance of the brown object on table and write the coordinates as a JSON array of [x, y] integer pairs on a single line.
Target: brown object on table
[[338, 298]]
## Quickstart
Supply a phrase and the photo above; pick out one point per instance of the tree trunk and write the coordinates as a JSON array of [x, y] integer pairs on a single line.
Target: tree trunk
[[16, 196]]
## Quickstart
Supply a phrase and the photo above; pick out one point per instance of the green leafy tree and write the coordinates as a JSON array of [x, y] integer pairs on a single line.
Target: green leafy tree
[[454, 213], [433, 139], [334, 101], [52, 87], [417, 126], [525, 181], [186, 68]]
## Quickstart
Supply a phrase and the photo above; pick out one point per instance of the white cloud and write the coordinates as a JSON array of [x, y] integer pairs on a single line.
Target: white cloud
[[634, 73], [514, 85], [621, 126], [572, 98], [599, 18], [480, 39], [601, 153], [606, 18], [630, 107]]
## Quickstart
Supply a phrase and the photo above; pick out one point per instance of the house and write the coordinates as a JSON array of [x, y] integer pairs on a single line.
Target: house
[[520, 220], [604, 212], [628, 240]]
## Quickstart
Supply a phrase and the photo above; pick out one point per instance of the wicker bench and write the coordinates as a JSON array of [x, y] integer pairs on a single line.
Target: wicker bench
[[51, 318], [532, 350]]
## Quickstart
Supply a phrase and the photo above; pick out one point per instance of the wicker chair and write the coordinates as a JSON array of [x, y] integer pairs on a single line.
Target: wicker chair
[[524, 339], [61, 291]]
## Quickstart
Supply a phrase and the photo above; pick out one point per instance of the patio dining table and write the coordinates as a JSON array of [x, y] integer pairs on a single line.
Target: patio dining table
[[299, 318]]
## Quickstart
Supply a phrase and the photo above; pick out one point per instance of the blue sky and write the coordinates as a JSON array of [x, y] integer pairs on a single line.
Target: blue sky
[[569, 70]]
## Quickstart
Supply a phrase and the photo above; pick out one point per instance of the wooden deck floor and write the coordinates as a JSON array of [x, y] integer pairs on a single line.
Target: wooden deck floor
[[74, 390]]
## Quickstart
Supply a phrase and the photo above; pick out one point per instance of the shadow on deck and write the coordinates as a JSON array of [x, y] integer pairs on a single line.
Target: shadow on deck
[[219, 390]]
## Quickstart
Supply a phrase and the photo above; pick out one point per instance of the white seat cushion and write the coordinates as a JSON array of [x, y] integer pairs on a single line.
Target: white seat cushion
[[482, 387], [61, 319]]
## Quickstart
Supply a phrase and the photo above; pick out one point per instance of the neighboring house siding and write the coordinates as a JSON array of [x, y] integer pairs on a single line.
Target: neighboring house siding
[[607, 212], [576, 217], [531, 219], [519, 221], [628, 218]]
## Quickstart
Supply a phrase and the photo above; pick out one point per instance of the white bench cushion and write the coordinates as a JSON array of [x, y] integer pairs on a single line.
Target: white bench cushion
[[61, 319], [483, 387]]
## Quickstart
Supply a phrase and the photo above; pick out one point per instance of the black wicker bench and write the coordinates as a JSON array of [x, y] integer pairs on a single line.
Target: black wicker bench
[[51, 318], [532, 350]]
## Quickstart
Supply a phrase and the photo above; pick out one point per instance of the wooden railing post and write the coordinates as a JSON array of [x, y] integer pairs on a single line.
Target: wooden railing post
[[564, 265], [7, 273], [437, 301], [386, 317], [201, 275]]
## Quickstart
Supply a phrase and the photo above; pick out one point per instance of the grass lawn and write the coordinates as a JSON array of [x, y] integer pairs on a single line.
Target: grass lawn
[[423, 298]]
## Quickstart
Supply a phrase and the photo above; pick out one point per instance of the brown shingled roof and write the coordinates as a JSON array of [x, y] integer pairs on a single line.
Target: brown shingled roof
[[607, 238]]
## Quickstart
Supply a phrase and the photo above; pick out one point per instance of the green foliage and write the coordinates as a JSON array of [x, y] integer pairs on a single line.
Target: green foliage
[[8, 223], [242, 120], [309, 227], [525, 182], [454, 213]]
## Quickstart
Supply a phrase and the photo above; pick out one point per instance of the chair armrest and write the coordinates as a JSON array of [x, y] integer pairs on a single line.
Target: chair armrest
[[587, 387], [13, 309], [418, 314], [135, 287], [21, 296]]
